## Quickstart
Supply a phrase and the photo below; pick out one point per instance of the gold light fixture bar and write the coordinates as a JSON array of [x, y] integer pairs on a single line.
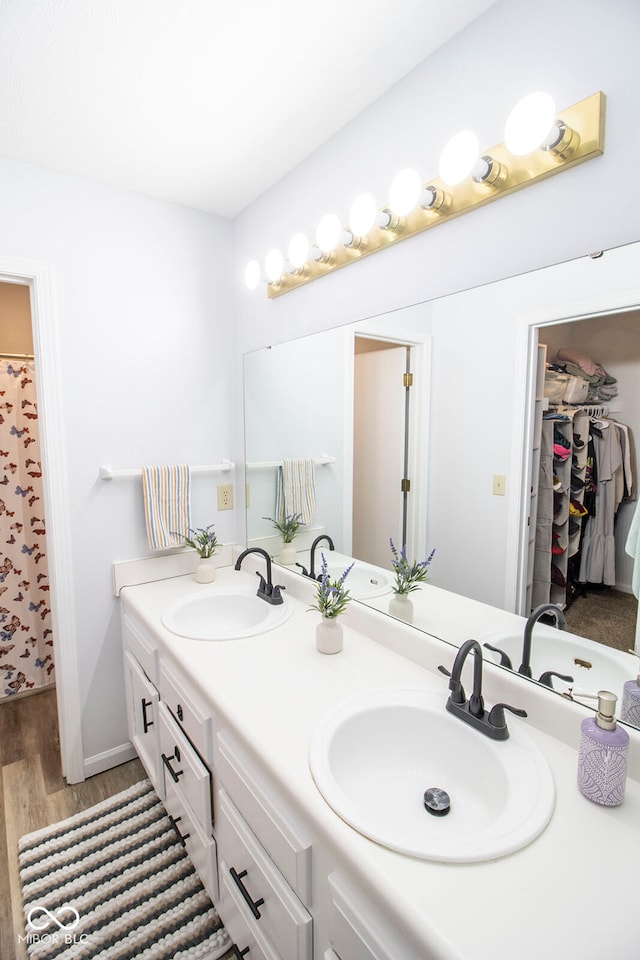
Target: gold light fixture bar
[[584, 140]]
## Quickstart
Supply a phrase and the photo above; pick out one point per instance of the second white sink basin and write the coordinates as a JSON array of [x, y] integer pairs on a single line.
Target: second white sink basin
[[364, 580], [224, 613], [374, 756]]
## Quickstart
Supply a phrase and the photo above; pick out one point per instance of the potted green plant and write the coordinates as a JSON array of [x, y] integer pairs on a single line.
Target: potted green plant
[[205, 542], [332, 599], [287, 528], [409, 575]]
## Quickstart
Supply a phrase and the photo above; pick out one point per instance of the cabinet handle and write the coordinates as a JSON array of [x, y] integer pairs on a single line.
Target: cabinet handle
[[252, 904], [239, 954], [182, 837], [174, 774], [146, 723], [180, 713]]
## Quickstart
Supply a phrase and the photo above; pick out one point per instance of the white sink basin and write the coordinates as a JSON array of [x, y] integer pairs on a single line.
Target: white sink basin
[[592, 665], [224, 613], [373, 757], [364, 582]]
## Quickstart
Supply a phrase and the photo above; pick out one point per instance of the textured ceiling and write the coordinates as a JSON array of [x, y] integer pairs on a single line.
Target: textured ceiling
[[206, 103]]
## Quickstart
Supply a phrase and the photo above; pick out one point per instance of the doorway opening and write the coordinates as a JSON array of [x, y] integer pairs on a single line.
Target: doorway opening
[[593, 573], [26, 628], [37, 277], [390, 441]]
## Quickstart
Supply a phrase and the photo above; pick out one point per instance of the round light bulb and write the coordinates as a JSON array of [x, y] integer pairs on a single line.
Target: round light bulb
[[362, 215], [298, 250], [459, 157], [273, 265], [328, 233], [405, 191], [252, 275], [529, 123]]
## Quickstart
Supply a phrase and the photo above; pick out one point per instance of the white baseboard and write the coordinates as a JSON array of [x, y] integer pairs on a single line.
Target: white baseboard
[[110, 758]]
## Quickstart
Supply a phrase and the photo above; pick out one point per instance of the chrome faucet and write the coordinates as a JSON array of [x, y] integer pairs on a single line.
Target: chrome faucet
[[492, 723], [532, 619], [266, 589]]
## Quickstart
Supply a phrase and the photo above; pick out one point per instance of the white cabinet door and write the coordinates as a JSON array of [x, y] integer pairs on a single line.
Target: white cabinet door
[[142, 716]]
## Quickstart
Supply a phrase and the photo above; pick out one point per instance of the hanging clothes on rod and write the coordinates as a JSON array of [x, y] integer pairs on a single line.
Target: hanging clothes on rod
[[609, 482]]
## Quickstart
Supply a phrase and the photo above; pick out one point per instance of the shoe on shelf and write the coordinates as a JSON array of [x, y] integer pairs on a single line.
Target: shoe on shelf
[[561, 439], [577, 509]]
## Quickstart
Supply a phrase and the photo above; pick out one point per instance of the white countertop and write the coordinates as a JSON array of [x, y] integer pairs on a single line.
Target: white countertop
[[569, 894]]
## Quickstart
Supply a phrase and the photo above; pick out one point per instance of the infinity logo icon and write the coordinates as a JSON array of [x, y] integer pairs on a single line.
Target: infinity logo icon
[[46, 915]]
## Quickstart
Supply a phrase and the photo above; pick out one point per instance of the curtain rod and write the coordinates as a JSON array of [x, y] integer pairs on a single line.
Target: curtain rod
[[16, 356]]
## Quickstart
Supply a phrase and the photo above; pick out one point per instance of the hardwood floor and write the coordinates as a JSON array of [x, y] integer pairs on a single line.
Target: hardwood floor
[[33, 794]]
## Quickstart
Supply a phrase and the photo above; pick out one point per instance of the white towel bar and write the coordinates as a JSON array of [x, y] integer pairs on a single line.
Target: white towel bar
[[110, 473], [266, 464]]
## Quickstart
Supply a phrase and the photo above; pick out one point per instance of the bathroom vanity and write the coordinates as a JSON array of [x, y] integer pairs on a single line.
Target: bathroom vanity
[[224, 727]]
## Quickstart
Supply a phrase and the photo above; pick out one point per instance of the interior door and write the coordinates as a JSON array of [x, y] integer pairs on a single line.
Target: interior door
[[380, 448]]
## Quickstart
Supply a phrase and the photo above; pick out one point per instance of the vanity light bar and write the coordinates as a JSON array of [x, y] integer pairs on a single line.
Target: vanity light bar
[[582, 129]]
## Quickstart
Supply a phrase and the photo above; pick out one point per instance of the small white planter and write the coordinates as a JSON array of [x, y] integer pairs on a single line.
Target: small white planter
[[205, 570], [287, 555], [401, 607], [329, 635]]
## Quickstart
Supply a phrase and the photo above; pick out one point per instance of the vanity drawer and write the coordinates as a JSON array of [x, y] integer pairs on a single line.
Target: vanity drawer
[[269, 905], [200, 847], [194, 719], [275, 826], [142, 647], [248, 940], [184, 768]]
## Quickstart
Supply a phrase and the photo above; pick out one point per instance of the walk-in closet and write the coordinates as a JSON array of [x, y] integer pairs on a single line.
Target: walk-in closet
[[585, 481]]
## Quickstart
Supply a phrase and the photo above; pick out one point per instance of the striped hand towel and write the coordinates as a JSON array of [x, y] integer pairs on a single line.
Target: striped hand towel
[[167, 505], [296, 489]]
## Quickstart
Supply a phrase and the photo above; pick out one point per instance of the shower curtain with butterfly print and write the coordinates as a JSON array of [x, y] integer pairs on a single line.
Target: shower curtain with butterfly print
[[26, 643]]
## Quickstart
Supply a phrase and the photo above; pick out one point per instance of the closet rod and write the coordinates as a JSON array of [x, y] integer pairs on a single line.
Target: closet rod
[[16, 356], [110, 473]]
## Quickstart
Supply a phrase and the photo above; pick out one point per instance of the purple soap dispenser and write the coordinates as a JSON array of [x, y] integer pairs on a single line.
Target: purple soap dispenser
[[630, 707], [602, 754]]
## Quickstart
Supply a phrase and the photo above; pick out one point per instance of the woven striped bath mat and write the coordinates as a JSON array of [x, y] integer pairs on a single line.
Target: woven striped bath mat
[[114, 883]]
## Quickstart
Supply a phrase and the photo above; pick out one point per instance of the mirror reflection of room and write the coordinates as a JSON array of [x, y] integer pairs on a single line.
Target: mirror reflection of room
[[588, 475], [461, 445]]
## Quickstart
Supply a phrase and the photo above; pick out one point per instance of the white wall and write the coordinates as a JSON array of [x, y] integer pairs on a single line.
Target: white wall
[[572, 49], [144, 311]]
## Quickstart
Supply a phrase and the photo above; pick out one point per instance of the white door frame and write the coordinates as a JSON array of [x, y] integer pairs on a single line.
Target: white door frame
[[39, 278], [526, 360]]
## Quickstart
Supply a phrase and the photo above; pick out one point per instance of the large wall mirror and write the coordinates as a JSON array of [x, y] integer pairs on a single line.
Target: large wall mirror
[[396, 398]]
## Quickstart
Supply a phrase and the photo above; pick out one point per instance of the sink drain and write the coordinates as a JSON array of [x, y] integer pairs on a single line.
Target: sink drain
[[437, 801]]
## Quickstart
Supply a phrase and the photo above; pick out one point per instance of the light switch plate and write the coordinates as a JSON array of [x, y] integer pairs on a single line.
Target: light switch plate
[[499, 484]]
